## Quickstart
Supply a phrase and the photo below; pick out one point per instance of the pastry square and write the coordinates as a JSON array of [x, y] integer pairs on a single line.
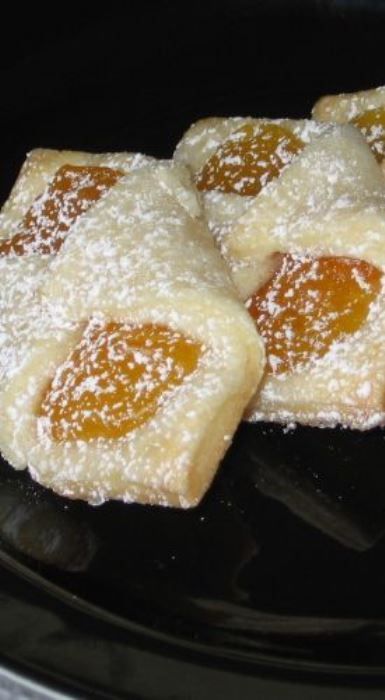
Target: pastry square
[[150, 361], [312, 247], [233, 159], [364, 109]]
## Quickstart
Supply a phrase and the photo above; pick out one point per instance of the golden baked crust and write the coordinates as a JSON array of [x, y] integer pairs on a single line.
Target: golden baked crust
[[139, 256], [330, 202]]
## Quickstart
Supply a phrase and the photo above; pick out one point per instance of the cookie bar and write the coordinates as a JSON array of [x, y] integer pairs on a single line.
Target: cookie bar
[[139, 389], [312, 248]]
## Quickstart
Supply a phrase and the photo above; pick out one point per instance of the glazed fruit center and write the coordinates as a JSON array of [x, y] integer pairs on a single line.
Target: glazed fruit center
[[71, 192], [372, 124], [249, 159], [310, 302], [115, 379]]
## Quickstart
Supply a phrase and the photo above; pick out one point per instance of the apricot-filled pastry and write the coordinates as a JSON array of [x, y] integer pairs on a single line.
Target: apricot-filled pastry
[[53, 190], [364, 109], [137, 387], [312, 248], [234, 159]]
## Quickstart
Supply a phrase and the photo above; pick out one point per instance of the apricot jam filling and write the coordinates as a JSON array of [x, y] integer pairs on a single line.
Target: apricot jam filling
[[372, 125], [71, 192], [249, 159], [115, 379], [309, 303]]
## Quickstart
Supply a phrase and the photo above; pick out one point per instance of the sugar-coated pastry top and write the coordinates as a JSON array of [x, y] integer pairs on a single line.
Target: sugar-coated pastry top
[[40, 168], [364, 109], [329, 202], [204, 137], [309, 303], [130, 349], [334, 375], [156, 267], [306, 252], [346, 106], [55, 187], [234, 159], [312, 248], [156, 286]]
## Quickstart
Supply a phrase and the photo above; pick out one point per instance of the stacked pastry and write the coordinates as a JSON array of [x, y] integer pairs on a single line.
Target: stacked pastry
[[298, 209], [147, 306]]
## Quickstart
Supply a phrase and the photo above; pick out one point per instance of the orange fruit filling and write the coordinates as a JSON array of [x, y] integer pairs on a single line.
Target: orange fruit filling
[[309, 303], [70, 193], [249, 159], [115, 379], [372, 125]]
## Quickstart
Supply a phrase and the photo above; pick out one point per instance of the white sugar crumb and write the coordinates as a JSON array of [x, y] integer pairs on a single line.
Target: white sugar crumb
[[364, 391], [290, 427]]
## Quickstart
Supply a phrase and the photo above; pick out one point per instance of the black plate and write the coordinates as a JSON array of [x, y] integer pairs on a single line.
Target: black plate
[[279, 576]]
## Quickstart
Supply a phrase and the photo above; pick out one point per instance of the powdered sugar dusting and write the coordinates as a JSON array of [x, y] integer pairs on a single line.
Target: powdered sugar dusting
[[157, 266], [223, 209], [329, 201], [114, 380]]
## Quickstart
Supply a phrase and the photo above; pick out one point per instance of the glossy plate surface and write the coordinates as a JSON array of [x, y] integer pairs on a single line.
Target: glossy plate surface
[[279, 576]]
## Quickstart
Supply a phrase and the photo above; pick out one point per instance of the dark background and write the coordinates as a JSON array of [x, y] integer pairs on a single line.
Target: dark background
[[135, 78]]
